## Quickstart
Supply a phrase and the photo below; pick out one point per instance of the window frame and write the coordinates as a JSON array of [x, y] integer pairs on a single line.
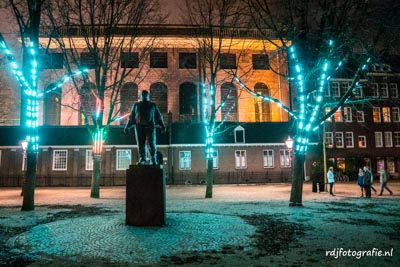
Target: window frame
[[393, 90], [185, 57], [227, 61], [64, 166], [118, 159], [339, 137], [241, 159], [383, 90], [396, 114], [257, 61], [360, 116], [378, 139], [268, 160], [376, 114], [158, 60], [349, 139], [185, 160], [89, 160], [364, 141], [388, 139], [396, 139], [329, 139], [285, 158], [335, 89]]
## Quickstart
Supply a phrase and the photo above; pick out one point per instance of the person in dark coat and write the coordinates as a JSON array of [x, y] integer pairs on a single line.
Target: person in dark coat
[[367, 182], [383, 179], [145, 116], [360, 181]]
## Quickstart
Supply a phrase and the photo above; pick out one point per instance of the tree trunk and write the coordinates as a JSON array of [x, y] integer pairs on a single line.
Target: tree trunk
[[210, 178], [95, 189], [30, 182], [297, 180]]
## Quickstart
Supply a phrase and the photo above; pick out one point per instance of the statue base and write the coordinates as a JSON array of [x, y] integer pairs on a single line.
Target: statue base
[[145, 195]]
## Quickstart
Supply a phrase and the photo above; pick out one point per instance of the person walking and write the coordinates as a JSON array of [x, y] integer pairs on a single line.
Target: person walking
[[331, 180], [145, 115], [383, 179], [360, 181], [367, 182]]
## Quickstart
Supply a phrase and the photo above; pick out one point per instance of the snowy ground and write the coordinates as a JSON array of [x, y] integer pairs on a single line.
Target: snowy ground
[[246, 225]]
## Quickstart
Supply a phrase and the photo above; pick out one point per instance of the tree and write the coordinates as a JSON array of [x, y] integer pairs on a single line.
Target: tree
[[320, 37], [103, 38], [217, 22]]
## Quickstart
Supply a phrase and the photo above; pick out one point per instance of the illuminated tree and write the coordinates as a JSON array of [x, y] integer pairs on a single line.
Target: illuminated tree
[[102, 36], [320, 37]]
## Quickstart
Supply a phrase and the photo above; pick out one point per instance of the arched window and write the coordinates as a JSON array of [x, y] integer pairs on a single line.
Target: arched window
[[229, 100], [262, 108], [52, 105], [187, 101], [159, 95], [128, 96], [87, 104]]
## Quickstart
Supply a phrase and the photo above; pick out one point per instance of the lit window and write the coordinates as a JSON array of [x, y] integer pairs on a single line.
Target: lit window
[[374, 90], [60, 160], [360, 116], [376, 114], [185, 160], [386, 114], [383, 90], [284, 156], [347, 114], [268, 159], [394, 93], [388, 139], [327, 110], [349, 139], [390, 165], [396, 114], [378, 139], [396, 139], [362, 141], [240, 159], [123, 159], [338, 115], [341, 164], [335, 89], [339, 139], [329, 139], [89, 160]]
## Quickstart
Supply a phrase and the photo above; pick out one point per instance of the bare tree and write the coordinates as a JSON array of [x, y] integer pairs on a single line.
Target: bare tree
[[319, 38], [108, 34]]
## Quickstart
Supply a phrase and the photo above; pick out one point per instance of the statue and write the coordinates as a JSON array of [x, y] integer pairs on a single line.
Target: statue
[[144, 117]]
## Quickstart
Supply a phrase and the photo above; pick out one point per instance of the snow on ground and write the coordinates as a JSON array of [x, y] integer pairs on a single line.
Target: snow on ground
[[242, 225]]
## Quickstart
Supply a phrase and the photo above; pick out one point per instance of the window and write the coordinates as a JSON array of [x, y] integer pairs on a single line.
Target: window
[[239, 134], [229, 98], [378, 139], [360, 116], [185, 160], [129, 60], [327, 110], [260, 62], [362, 141], [88, 60], [60, 159], [329, 139], [240, 159], [347, 115], [53, 61], [396, 114], [89, 160], [284, 156], [374, 90], [390, 165], [358, 91], [335, 89], [338, 115], [349, 139], [268, 158], [386, 114], [394, 93], [344, 86], [388, 139], [383, 90], [158, 60], [227, 61], [339, 139], [187, 61], [215, 160], [123, 159], [396, 139], [376, 114]]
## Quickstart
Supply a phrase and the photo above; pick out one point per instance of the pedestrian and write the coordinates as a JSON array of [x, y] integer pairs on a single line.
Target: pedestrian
[[383, 179], [360, 181], [372, 182], [367, 182], [145, 115], [331, 180]]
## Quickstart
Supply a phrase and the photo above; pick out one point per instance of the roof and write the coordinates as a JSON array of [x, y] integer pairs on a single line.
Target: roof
[[178, 133]]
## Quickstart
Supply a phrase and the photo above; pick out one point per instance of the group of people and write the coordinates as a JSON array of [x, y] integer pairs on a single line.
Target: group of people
[[365, 181]]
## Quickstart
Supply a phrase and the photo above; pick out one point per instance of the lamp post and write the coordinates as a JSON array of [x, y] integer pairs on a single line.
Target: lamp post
[[289, 145]]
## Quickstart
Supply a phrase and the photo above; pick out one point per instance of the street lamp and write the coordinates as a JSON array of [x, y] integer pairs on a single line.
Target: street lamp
[[289, 143]]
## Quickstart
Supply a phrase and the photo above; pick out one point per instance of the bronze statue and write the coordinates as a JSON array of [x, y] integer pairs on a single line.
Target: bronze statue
[[145, 116]]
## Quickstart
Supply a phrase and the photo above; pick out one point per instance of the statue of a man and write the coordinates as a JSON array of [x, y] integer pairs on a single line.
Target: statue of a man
[[145, 115]]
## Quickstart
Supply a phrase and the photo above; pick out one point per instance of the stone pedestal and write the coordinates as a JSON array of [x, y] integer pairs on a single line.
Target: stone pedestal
[[145, 195]]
